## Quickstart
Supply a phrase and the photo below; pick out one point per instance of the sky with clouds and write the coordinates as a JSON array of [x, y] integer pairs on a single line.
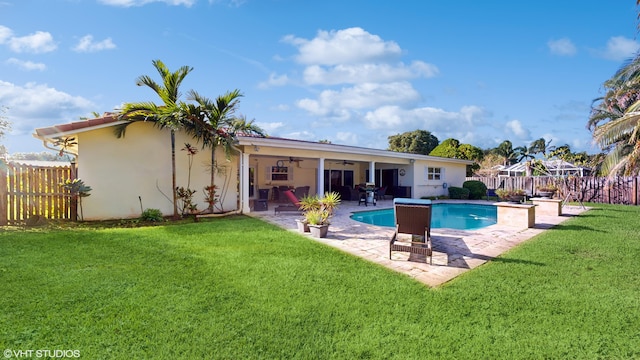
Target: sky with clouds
[[351, 71]]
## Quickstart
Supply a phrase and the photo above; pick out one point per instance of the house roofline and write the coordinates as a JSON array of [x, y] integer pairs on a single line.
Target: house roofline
[[47, 134], [76, 127], [316, 146]]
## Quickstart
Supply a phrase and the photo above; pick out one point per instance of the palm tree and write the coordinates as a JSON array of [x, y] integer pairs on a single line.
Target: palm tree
[[615, 121], [522, 153], [167, 115], [540, 146], [505, 151], [215, 124]]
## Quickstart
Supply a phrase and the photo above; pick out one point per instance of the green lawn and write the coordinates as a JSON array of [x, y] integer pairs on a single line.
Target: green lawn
[[237, 288]]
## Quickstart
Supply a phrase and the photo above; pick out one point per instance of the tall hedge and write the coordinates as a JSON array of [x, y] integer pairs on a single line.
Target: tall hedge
[[477, 189], [458, 193]]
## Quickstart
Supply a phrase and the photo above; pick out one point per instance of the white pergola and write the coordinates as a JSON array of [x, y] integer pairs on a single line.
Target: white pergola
[[554, 167]]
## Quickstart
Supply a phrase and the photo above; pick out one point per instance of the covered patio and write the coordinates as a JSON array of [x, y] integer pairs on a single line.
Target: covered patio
[[270, 166]]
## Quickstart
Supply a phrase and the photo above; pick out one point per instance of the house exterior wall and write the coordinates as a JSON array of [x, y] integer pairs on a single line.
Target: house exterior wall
[[137, 168], [453, 175]]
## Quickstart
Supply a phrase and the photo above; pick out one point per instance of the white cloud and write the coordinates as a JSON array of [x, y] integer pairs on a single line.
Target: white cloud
[[38, 42], [274, 80], [37, 105], [515, 127], [26, 65], [348, 46], [270, 127], [346, 137], [620, 48], [301, 135], [129, 3], [369, 95], [432, 119], [562, 47], [361, 73], [5, 34], [86, 44]]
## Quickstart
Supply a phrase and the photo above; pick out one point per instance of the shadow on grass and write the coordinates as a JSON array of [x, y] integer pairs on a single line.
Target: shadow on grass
[[574, 227], [458, 253]]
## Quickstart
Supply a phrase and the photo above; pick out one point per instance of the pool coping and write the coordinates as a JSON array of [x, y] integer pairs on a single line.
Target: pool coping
[[455, 251]]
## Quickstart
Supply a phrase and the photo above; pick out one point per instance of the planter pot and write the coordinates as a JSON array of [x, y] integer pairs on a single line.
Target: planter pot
[[515, 198], [319, 231], [546, 194], [302, 225]]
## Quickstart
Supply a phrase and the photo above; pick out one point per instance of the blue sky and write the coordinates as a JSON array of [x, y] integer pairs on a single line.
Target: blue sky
[[353, 72]]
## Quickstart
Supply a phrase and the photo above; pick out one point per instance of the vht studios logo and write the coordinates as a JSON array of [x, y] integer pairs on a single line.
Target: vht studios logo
[[41, 353]]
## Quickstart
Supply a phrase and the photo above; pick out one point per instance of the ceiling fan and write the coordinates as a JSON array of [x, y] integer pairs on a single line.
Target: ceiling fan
[[296, 160]]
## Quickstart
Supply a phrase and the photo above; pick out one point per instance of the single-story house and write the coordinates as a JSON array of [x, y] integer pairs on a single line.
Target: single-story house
[[132, 173]]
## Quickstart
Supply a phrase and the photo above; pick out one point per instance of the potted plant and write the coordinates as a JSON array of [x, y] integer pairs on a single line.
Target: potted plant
[[307, 203], [317, 217], [318, 222], [513, 195], [547, 191]]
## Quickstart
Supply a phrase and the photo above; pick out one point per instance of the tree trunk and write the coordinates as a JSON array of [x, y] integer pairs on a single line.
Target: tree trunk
[[173, 174], [213, 176]]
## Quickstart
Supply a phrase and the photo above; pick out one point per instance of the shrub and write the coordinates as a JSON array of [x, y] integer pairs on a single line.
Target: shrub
[[154, 215], [477, 189], [504, 193], [458, 193]]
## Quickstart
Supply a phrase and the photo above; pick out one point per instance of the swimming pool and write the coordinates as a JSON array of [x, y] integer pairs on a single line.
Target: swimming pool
[[444, 215]]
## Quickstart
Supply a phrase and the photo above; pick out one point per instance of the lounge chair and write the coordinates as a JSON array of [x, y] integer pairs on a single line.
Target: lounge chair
[[294, 206], [412, 218]]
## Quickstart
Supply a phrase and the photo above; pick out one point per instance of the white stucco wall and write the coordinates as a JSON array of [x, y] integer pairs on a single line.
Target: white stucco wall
[[454, 175], [121, 171]]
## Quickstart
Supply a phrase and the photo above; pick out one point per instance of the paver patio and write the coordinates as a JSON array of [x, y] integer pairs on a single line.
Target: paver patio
[[455, 251]]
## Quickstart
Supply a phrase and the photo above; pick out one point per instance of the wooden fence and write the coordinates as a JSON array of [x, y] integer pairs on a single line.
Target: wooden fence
[[621, 190], [26, 191]]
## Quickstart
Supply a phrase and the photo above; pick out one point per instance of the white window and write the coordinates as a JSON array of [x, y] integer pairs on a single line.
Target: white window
[[433, 173], [279, 173]]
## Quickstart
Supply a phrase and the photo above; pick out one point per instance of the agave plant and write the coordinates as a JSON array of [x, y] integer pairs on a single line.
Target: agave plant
[[317, 211]]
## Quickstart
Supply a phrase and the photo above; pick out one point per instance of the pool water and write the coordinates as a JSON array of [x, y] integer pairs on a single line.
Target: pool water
[[453, 216]]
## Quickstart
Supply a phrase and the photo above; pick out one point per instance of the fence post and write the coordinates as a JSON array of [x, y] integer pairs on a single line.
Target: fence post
[[634, 191], [73, 201], [3, 194]]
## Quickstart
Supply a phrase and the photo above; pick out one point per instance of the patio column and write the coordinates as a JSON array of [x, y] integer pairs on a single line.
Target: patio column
[[372, 172], [244, 183], [320, 182]]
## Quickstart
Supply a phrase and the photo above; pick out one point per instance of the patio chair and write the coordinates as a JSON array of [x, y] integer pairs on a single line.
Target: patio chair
[[381, 193], [412, 218], [294, 206]]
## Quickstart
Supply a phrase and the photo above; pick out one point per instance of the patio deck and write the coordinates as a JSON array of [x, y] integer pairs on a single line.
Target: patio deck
[[454, 251]]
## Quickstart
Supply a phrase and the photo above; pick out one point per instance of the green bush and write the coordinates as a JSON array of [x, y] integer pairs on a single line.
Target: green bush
[[458, 193], [154, 215], [477, 189]]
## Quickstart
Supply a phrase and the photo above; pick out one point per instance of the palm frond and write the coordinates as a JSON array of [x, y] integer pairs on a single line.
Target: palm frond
[[616, 130]]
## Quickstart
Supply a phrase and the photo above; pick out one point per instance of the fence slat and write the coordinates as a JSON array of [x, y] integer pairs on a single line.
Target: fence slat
[[623, 190], [26, 191]]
